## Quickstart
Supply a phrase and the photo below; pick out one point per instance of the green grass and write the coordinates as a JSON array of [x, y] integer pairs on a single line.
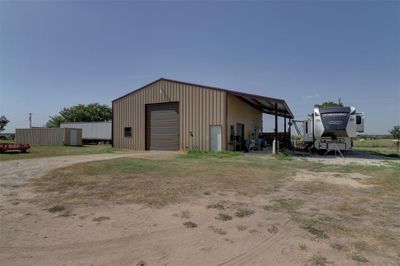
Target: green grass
[[193, 154], [385, 147], [6, 141], [57, 150], [359, 258], [161, 181]]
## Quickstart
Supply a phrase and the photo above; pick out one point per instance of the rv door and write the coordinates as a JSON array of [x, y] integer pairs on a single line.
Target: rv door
[[360, 122]]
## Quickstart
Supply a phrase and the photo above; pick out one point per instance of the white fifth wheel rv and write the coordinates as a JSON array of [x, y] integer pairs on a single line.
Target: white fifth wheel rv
[[331, 128]]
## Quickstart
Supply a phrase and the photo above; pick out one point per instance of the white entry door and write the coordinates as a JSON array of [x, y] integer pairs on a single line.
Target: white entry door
[[215, 138], [74, 137]]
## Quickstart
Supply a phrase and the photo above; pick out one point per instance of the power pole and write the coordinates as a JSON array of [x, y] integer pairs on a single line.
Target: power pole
[[30, 120]]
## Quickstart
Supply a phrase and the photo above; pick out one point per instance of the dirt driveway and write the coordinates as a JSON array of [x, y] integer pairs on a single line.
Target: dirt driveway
[[133, 234]]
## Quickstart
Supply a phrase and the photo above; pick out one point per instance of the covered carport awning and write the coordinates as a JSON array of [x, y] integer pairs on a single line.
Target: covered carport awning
[[266, 105], [273, 106]]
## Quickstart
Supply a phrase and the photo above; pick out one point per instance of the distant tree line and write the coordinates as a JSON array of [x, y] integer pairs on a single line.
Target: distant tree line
[[329, 104], [93, 112], [395, 132], [3, 123]]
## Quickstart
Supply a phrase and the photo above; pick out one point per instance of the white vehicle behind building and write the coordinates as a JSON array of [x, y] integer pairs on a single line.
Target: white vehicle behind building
[[331, 128], [92, 132]]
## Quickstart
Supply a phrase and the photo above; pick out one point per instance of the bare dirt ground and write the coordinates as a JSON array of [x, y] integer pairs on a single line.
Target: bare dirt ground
[[349, 179], [352, 157], [134, 234]]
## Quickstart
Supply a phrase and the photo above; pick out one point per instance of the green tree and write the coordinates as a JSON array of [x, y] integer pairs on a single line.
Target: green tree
[[395, 132], [329, 104], [3, 122], [81, 113]]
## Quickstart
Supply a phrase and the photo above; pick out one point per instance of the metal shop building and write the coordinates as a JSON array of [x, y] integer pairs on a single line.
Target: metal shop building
[[174, 115]]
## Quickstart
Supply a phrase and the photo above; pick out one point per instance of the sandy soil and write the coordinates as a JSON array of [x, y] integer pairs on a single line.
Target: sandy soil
[[349, 179], [132, 234], [352, 157]]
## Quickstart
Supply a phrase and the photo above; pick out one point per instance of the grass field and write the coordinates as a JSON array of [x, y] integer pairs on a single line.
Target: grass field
[[293, 209], [162, 181], [56, 150], [377, 146], [354, 219]]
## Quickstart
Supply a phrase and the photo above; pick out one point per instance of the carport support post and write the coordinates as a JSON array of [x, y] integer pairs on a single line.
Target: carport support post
[[276, 127], [284, 129], [290, 133]]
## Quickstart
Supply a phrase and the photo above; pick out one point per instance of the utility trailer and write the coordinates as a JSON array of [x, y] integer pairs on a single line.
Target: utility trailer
[[92, 132], [4, 147], [330, 128]]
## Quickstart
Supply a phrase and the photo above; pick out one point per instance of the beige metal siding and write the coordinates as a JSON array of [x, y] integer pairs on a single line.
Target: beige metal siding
[[199, 108], [241, 112], [40, 136], [45, 136], [67, 140]]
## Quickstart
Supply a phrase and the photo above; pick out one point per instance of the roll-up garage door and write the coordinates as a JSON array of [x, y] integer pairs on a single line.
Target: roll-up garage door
[[162, 126]]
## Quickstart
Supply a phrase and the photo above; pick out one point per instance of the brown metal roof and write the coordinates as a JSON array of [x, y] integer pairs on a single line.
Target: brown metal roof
[[262, 103]]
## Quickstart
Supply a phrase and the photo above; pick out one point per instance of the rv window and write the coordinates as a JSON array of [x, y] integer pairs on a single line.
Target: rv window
[[306, 127], [358, 120], [128, 132]]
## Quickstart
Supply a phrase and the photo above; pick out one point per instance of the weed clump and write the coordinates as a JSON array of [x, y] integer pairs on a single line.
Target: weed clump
[[253, 231], [242, 227], [56, 208], [218, 206], [339, 246], [302, 246], [359, 258], [289, 204], [243, 212], [217, 230], [319, 233], [318, 260], [223, 217], [283, 155], [189, 224], [101, 218]]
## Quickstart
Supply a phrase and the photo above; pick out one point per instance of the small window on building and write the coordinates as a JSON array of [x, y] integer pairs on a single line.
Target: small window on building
[[128, 132], [306, 127], [232, 132], [358, 120]]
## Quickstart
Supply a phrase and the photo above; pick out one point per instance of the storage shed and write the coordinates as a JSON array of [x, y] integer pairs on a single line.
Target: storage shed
[[49, 136], [174, 115], [92, 132]]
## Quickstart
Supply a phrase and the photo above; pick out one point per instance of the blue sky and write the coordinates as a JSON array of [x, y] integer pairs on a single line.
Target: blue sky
[[54, 55]]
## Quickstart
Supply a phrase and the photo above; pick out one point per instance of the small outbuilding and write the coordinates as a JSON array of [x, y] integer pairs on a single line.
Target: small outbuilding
[[49, 136], [174, 115]]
